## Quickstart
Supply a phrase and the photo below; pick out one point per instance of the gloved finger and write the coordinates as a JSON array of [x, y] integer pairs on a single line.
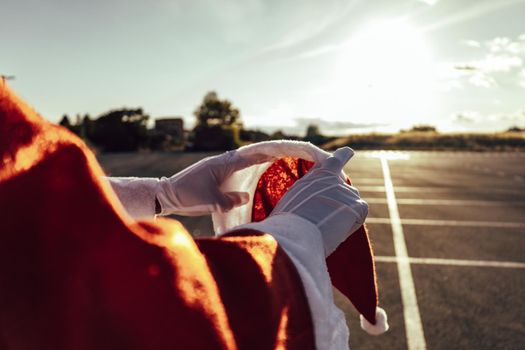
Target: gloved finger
[[338, 160], [241, 161], [229, 200]]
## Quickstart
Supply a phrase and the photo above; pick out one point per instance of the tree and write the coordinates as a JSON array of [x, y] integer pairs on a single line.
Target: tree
[[313, 135], [86, 128], [65, 122], [120, 130], [423, 128], [312, 130], [218, 124], [214, 111], [515, 129]]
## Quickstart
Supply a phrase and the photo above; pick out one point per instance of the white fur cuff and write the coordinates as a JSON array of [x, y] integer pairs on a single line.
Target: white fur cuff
[[381, 325]]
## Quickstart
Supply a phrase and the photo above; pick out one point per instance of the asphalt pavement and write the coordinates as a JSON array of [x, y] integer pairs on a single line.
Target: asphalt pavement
[[448, 231], [463, 225]]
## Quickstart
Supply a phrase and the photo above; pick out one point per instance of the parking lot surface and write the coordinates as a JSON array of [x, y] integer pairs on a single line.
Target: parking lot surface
[[448, 231]]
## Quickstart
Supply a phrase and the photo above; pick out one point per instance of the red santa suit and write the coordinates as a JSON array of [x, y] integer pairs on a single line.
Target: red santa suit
[[77, 272]]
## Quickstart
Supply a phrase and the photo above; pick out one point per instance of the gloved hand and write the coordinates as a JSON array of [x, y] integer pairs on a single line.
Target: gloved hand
[[324, 198], [196, 189], [314, 216], [193, 191]]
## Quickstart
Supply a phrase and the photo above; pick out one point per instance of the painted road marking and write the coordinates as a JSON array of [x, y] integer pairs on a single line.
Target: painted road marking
[[464, 223], [392, 155], [413, 326], [466, 202], [419, 189], [454, 262], [444, 154]]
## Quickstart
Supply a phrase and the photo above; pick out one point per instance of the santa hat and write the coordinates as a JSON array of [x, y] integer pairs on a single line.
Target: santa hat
[[351, 265]]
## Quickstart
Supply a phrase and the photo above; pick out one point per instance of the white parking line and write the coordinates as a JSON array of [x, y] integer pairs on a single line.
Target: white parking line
[[463, 223], [467, 202], [443, 154], [454, 262], [413, 326], [420, 189]]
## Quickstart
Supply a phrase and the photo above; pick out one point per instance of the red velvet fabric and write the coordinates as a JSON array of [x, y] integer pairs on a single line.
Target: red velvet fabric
[[77, 273], [351, 266]]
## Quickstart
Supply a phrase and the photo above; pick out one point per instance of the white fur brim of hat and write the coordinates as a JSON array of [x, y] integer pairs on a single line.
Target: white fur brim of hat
[[381, 325], [245, 180]]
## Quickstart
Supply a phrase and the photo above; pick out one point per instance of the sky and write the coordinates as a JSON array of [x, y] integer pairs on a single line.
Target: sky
[[349, 66]]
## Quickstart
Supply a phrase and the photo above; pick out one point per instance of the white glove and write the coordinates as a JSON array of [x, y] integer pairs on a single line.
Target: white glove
[[314, 216], [324, 198], [194, 191]]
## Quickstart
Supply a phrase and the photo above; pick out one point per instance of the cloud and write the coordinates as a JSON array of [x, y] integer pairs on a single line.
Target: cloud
[[331, 127], [465, 67], [492, 63], [321, 50], [318, 51], [501, 64], [298, 126], [522, 78], [515, 117], [471, 12], [480, 79], [429, 2], [474, 120], [507, 45], [218, 18], [325, 15], [466, 117], [450, 85], [471, 43]]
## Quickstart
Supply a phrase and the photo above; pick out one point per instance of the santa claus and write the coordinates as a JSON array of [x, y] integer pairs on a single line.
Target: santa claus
[[83, 268]]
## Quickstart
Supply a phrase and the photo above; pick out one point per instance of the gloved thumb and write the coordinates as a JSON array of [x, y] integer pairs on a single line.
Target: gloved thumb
[[230, 200], [338, 160]]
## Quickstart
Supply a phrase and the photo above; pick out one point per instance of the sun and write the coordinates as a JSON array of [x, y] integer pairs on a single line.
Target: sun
[[386, 69]]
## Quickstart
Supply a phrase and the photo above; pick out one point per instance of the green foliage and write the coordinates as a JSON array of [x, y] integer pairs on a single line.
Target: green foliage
[[281, 135], [214, 111], [65, 122], [121, 130], [515, 129], [216, 137], [250, 136], [432, 141], [278, 135], [313, 135], [422, 128], [218, 125]]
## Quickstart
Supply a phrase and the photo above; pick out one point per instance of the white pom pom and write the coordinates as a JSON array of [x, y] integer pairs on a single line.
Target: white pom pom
[[381, 325]]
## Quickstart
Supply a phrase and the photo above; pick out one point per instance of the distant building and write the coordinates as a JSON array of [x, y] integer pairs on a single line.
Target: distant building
[[172, 128]]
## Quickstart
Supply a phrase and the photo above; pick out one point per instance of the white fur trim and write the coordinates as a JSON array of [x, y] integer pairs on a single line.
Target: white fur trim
[[137, 194], [381, 325], [302, 242], [245, 180]]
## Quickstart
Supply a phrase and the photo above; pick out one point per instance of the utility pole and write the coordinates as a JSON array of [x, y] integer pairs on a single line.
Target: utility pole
[[6, 77]]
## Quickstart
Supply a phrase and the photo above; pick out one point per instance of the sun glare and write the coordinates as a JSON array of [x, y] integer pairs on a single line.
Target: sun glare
[[386, 68]]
